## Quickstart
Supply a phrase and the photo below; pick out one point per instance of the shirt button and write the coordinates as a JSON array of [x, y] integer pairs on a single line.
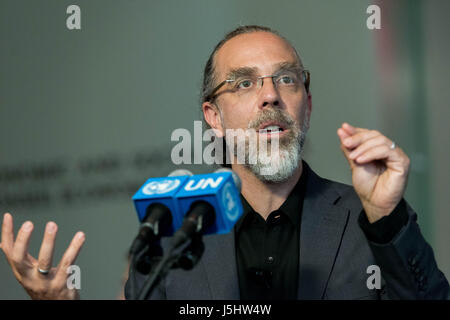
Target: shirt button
[[412, 261], [269, 260]]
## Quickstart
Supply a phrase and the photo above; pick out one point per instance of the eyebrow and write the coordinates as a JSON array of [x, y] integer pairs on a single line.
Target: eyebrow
[[252, 71], [288, 66], [241, 72]]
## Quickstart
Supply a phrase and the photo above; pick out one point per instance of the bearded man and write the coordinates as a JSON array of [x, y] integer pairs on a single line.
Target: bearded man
[[301, 236]]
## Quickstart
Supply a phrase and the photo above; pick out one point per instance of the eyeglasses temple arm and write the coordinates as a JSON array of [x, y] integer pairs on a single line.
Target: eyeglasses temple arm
[[210, 97]]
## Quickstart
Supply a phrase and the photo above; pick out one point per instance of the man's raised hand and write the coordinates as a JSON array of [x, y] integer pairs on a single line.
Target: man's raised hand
[[379, 169], [38, 285]]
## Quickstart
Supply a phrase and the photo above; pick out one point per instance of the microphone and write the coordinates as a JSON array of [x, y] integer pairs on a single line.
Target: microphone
[[212, 205], [154, 203]]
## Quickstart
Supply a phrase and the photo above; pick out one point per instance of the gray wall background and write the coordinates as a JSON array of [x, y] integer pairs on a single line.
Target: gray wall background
[[86, 116]]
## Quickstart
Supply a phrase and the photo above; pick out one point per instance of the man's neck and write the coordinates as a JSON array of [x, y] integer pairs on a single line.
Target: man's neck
[[262, 196]]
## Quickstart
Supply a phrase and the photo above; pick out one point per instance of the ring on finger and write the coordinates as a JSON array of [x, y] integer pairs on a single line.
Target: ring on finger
[[43, 271], [393, 145]]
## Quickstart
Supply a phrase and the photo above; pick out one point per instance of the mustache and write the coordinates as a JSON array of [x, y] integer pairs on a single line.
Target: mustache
[[277, 115]]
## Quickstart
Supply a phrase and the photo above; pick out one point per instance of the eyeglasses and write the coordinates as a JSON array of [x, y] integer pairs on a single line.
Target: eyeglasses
[[286, 81]]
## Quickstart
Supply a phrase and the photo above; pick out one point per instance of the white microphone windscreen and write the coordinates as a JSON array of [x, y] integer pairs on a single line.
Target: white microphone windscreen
[[180, 172]]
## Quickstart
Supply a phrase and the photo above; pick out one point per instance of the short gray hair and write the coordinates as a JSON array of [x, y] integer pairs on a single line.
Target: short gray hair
[[209, 76]]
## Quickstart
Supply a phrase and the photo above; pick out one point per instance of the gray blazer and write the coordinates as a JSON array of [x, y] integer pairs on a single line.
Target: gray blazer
[[334, 257]]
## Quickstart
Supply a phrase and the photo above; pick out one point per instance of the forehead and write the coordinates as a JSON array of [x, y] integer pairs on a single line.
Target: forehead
[[260, 50]]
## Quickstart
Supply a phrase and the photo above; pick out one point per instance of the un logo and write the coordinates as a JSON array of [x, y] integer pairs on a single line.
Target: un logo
[[159, 187], [229, 202]]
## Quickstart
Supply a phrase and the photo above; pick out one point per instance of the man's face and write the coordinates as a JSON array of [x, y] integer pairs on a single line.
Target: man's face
[[264, 53]]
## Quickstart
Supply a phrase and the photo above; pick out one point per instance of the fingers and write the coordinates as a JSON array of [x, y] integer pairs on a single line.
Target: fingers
[[375, 153], [360, 137], [7, 233], [395, 159], [70, 255], [367, 145], [343, 134], [47, 247], [20, 248], [351, 130], [361, 145], [356, 142]]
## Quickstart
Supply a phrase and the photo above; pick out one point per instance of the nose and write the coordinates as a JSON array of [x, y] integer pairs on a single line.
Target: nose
[[268, 95]]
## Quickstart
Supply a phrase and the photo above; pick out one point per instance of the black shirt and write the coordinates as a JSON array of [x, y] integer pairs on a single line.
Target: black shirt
[[267, 252]]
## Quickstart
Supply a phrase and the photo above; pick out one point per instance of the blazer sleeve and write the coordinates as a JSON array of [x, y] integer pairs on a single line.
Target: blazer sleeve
[[407, 264]]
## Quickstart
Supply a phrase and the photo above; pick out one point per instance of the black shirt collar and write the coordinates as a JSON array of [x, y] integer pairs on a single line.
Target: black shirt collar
[[292, 207]]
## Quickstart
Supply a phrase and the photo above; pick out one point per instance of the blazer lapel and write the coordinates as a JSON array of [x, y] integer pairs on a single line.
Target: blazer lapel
[[219, 261], [322, 226]]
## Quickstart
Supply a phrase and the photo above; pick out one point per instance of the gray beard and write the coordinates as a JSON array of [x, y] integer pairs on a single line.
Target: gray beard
[[282, 164]]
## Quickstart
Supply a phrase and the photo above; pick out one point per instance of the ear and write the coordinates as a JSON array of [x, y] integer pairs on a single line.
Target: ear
[[309, 106], [211, 114]]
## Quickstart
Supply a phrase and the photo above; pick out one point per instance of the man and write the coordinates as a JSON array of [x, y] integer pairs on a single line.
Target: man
[[301, 236]]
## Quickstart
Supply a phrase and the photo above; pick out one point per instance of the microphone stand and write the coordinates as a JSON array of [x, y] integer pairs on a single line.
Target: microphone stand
[[186, 259], [192, 253], [144, 260], [200, 216]]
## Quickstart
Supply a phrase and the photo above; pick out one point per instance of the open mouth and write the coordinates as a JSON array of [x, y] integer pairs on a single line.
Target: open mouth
[[271, 128]]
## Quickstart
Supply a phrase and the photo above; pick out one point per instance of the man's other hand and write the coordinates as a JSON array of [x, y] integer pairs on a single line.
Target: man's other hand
[[52, 285]]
